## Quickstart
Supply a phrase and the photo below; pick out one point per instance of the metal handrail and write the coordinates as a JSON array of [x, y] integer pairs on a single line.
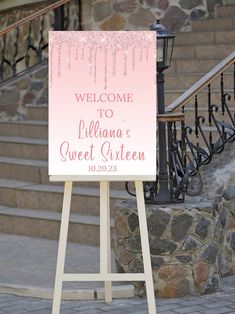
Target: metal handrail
[[183, 99], [33, 16]]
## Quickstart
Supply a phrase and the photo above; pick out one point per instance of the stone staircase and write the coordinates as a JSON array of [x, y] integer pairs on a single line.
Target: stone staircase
[[31, 205], [194, 55]]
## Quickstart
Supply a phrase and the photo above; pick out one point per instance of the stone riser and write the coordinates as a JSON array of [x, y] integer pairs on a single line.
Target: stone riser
[[174, 82], [205, 38], [33, 171], [222, 24], [199, 140], [49, 229], [24, 150], [191, 66], [34, 174], [37, 113], [201, 52], [190, 116], [38, 131], [226, 11], [85, 202], [171, 96]]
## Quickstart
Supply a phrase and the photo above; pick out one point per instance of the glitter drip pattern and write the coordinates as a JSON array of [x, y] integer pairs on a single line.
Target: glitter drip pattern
[[86, 46]]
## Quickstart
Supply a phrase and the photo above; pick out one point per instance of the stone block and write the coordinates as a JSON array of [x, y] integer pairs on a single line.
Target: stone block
[[210, 253], [133, 221], [102, 10], [125, 6], [114, 23], [202, 227], [190, 244], [121, 226], [225, 37], [201, 272], [180, 226], [225, 11], [134, 243], [174, 18], [143, 17], [157, 223], [159, 4], [183, 39], [213, 52], [188, 5], [162, 246]]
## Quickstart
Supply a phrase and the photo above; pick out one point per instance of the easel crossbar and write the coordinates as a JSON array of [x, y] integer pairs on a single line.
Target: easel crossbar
[[104, 277]]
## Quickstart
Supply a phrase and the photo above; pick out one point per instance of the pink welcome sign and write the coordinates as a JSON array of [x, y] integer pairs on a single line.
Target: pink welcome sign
[[102, 105]]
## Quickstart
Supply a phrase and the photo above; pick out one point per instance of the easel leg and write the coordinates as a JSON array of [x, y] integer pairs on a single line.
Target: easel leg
[[62, 247], [105, 238], [145, 247]]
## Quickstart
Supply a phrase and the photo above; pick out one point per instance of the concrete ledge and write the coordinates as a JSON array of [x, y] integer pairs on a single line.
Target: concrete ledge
[[119, 292]]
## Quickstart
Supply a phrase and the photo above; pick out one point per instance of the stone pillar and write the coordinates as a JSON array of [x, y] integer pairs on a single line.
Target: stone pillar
[[185, 244]]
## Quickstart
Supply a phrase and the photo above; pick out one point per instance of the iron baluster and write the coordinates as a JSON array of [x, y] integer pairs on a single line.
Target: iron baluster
[[196, 116], [170, 146], [209, 104], [218, 146], [66, 16], [183, 143], [234, 83], [16, 45], [209, 116], [39, 50], [3, 57], [222, 92], [28, 45], [59, 18], [79, 5]]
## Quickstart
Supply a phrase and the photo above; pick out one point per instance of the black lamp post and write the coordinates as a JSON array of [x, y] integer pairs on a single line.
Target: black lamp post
[[165, 42]]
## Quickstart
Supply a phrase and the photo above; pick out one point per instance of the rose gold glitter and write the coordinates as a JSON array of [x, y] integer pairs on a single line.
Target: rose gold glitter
[[91, 43]]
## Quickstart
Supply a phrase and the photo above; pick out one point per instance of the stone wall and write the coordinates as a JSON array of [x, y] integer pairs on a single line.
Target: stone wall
[[31, 88], [138, 14], [176, 15], [10, 16], [185, 246], [191, 244]]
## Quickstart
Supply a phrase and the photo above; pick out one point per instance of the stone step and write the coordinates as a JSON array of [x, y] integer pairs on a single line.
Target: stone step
[[37, 112], [205, 38], [176, 81], [199, 140], [202, 52], [21, 147], [225, 11], [221, 24], [85, 201], [206, 131], [44, 224], [171, 95], [192, 66], [36, 171], [28, 129], [190, 115]]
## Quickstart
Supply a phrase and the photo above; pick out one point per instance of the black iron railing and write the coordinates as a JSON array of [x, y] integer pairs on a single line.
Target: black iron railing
[[192, 144], [25, 43]]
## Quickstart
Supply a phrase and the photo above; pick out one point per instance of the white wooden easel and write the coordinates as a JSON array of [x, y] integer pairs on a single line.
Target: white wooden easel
[[105, 249]]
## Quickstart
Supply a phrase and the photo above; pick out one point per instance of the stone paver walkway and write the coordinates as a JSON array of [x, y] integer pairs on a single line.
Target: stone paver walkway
[[30, 263], [219, 303]]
